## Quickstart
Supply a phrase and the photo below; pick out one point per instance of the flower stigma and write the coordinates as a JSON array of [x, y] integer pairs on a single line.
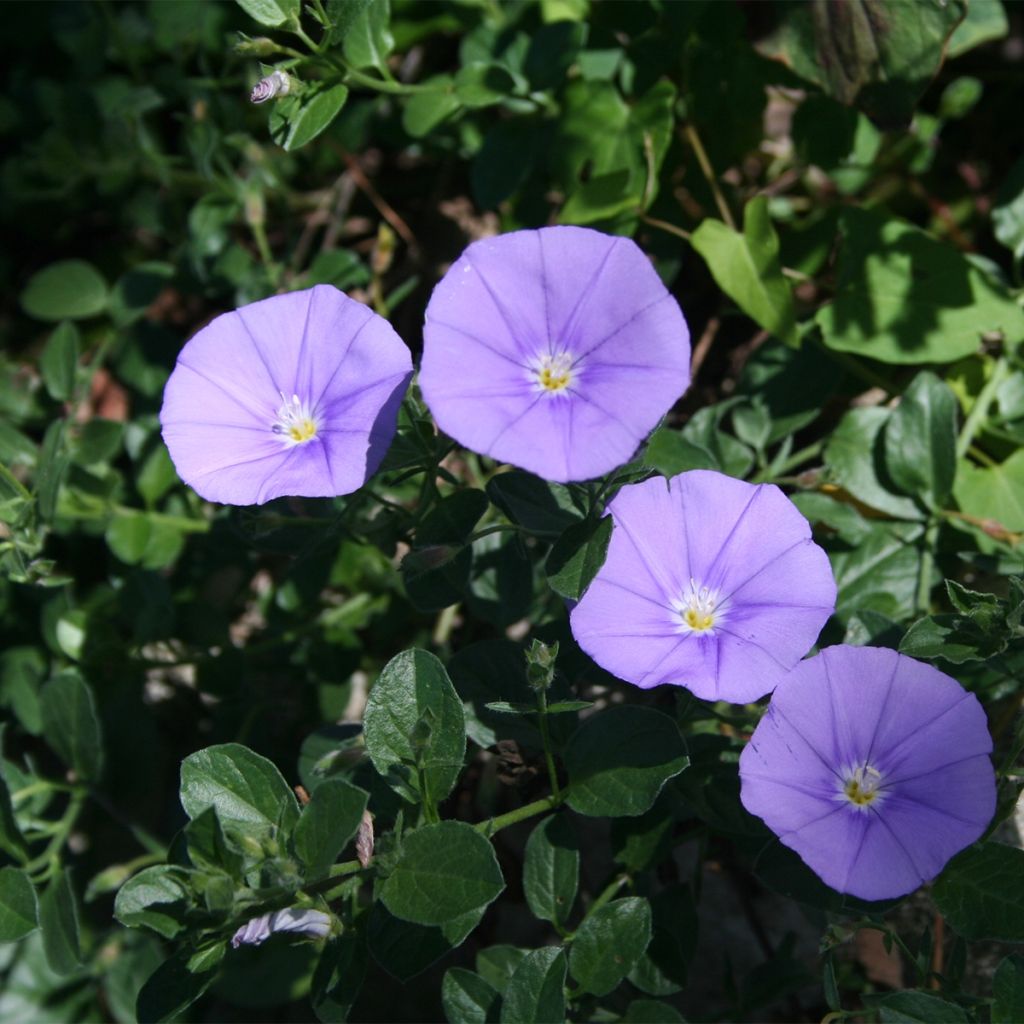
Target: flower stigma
[[296, 423], [553, 373], [863, 786], [700, 609]]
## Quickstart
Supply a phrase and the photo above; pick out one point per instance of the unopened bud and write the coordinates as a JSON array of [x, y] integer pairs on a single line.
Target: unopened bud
[[276, 84], [261, 46], [540, 664]]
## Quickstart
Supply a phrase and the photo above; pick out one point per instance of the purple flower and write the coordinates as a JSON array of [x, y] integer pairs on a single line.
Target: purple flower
[[873, 767], [314, 924], [294, 395], [557, 350], [710, 583]]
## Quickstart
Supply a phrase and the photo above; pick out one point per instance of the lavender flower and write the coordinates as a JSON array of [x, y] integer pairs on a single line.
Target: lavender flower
[[710, 583], [873, 767], [314, 924], [557, 350], [297, 395]]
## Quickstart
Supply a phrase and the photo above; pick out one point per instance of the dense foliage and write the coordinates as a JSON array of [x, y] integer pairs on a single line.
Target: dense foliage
[[366, 717]]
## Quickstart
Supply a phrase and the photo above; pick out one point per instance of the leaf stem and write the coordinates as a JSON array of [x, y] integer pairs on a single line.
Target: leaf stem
[[542, 722], [708, 171], [492, 825]]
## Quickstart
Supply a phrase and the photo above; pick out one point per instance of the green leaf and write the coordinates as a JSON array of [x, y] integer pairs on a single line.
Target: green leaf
[[320, 105], [855, 457], [650, 1011], [1008, 991], [156, 898], [368, 40], [338, 977], [58, 918], [913, 1007], [880, 573], [71, 725], [903, 297], [608, 944], [618, 761], [415, 684], [59, 362], [12, 841], [670, 453], [341, 14], [444, 871], [986, 20], [170, 990], [53, 464], [536, 991], [869, 53], [272, 13], [247, 790], [18, 911], [551, 869], [327, 823], [746, 267], [209, 848], [541, 508], [68, 290], [97, 442], [426, 110], [980, 895], [482, 84], [577, 556], [993, 492], [1008, 210], [467, 998], [920, 440], [939, 636], [137, 289]]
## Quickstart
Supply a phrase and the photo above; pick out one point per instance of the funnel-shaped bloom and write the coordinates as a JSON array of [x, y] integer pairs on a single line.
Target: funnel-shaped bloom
[[557, 350], [710, 583], [294, 395], [873, 767]]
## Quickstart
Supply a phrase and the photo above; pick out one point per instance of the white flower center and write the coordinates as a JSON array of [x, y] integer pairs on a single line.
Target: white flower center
[[552, 374], [863, 786], [699, 609], [296, 423]]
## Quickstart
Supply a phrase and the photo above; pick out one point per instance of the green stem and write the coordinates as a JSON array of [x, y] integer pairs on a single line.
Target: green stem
[[981, 406], [542, 722], [496, 528], [812, 451], [48, 858], [492, 825], [607, 893], [708, 171], [924, 577]]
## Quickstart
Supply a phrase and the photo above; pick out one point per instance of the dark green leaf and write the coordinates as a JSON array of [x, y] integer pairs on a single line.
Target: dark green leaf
[[467, 998], [247, 790], [854, 455], [746, 267], [542, 508], [551, 869], [338, 977], [662, 970], [979, 893], [272, 13], [12, 841], [914, 1007], [18, 911], [939, 636], [881, 574], [71, 724], [427, 109], [670, 453], [619, 759], [903, 297], [68, 290], [577, 556], [1008, 991], [98, 441], [52, 465], [482, 85], [497, 964], [170, 990], [920, 440], [327, 823], [536, 991], [444, 871], [209, 848], [414, 684], [405, 949], [650, 1011], [156, 898], [320, 105], [59, 361], [58, 919], [1008, 212], [609, 943]]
